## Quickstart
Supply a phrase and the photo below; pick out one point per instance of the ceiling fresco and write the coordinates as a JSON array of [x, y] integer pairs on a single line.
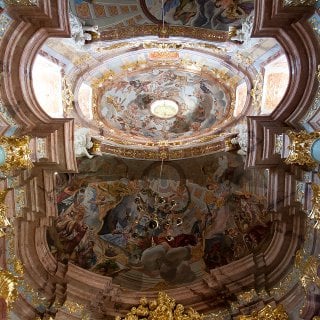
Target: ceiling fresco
[[201, 105], [159, 157], [210, 87], [126, 89], [215, 15], [218, 14], [155, 224], [170, 98]]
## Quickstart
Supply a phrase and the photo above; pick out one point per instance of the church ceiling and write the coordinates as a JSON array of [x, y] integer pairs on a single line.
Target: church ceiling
[[138, 96], [161, 165], [217, 15], [134, 97], [161, 99], [165, 226]]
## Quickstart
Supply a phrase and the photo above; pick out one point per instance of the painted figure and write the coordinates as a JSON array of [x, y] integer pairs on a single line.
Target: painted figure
[[171, 229]]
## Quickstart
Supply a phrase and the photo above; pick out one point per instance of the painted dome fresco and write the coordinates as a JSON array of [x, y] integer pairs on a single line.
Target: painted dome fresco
[[215, 15], [131, 213], [150, 98], [164, 104], [161, 158], [168, 225], [158, 97], [178, 98], [146, 223]]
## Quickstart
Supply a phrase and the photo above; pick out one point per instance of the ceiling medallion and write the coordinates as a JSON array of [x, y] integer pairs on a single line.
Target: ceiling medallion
[[164, 108]]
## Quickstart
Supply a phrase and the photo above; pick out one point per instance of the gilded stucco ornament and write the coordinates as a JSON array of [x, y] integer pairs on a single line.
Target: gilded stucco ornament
[[247, 297], [256, 92], [315, 212], [4, 221], [8, 287], [164, 46], [16, 154], [165, 153], [268, 313], [168, 31], [22, 3], [10, 280], [76, 309], [300, 148], [308, 268], [163, 308], [296, 3], [67, 97]]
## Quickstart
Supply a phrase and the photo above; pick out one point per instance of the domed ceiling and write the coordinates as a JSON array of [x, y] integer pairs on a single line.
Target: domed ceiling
[[152, 225], [160, 224], [155, 95], [217, 15], [180, 96], [162, 189], [168, 224], [162, 104]]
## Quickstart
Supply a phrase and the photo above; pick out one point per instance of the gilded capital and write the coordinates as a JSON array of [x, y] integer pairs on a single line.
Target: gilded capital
[[15, 154], [300, 148]]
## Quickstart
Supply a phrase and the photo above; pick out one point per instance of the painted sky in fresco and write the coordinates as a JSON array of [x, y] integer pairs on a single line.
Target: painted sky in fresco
[[107, 210]]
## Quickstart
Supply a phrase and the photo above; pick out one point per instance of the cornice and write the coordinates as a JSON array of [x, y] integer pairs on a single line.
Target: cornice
[[58, 281], [289, 26]]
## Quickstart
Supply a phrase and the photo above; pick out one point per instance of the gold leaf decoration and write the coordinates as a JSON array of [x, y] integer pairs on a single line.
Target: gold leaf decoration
[[268, 313], [163, 308]]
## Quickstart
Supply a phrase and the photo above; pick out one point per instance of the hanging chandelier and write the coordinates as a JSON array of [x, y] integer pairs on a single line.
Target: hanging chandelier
[[157, 212]]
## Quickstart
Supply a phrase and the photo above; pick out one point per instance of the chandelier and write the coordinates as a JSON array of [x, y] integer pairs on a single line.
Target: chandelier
[[157, 212]]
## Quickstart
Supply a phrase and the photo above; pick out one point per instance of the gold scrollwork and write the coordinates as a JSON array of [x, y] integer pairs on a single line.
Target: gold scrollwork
[[295, 3], [17, 153], [163, 308], [308, 269], [256, 92], [247, 297], [300, 148], [4, 221], [168, 31], [163, 45], [267, 313], [8, 287], [119, 45], [107, 76], [165, 152], [315, 212], [67, 97], [23, 3]]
